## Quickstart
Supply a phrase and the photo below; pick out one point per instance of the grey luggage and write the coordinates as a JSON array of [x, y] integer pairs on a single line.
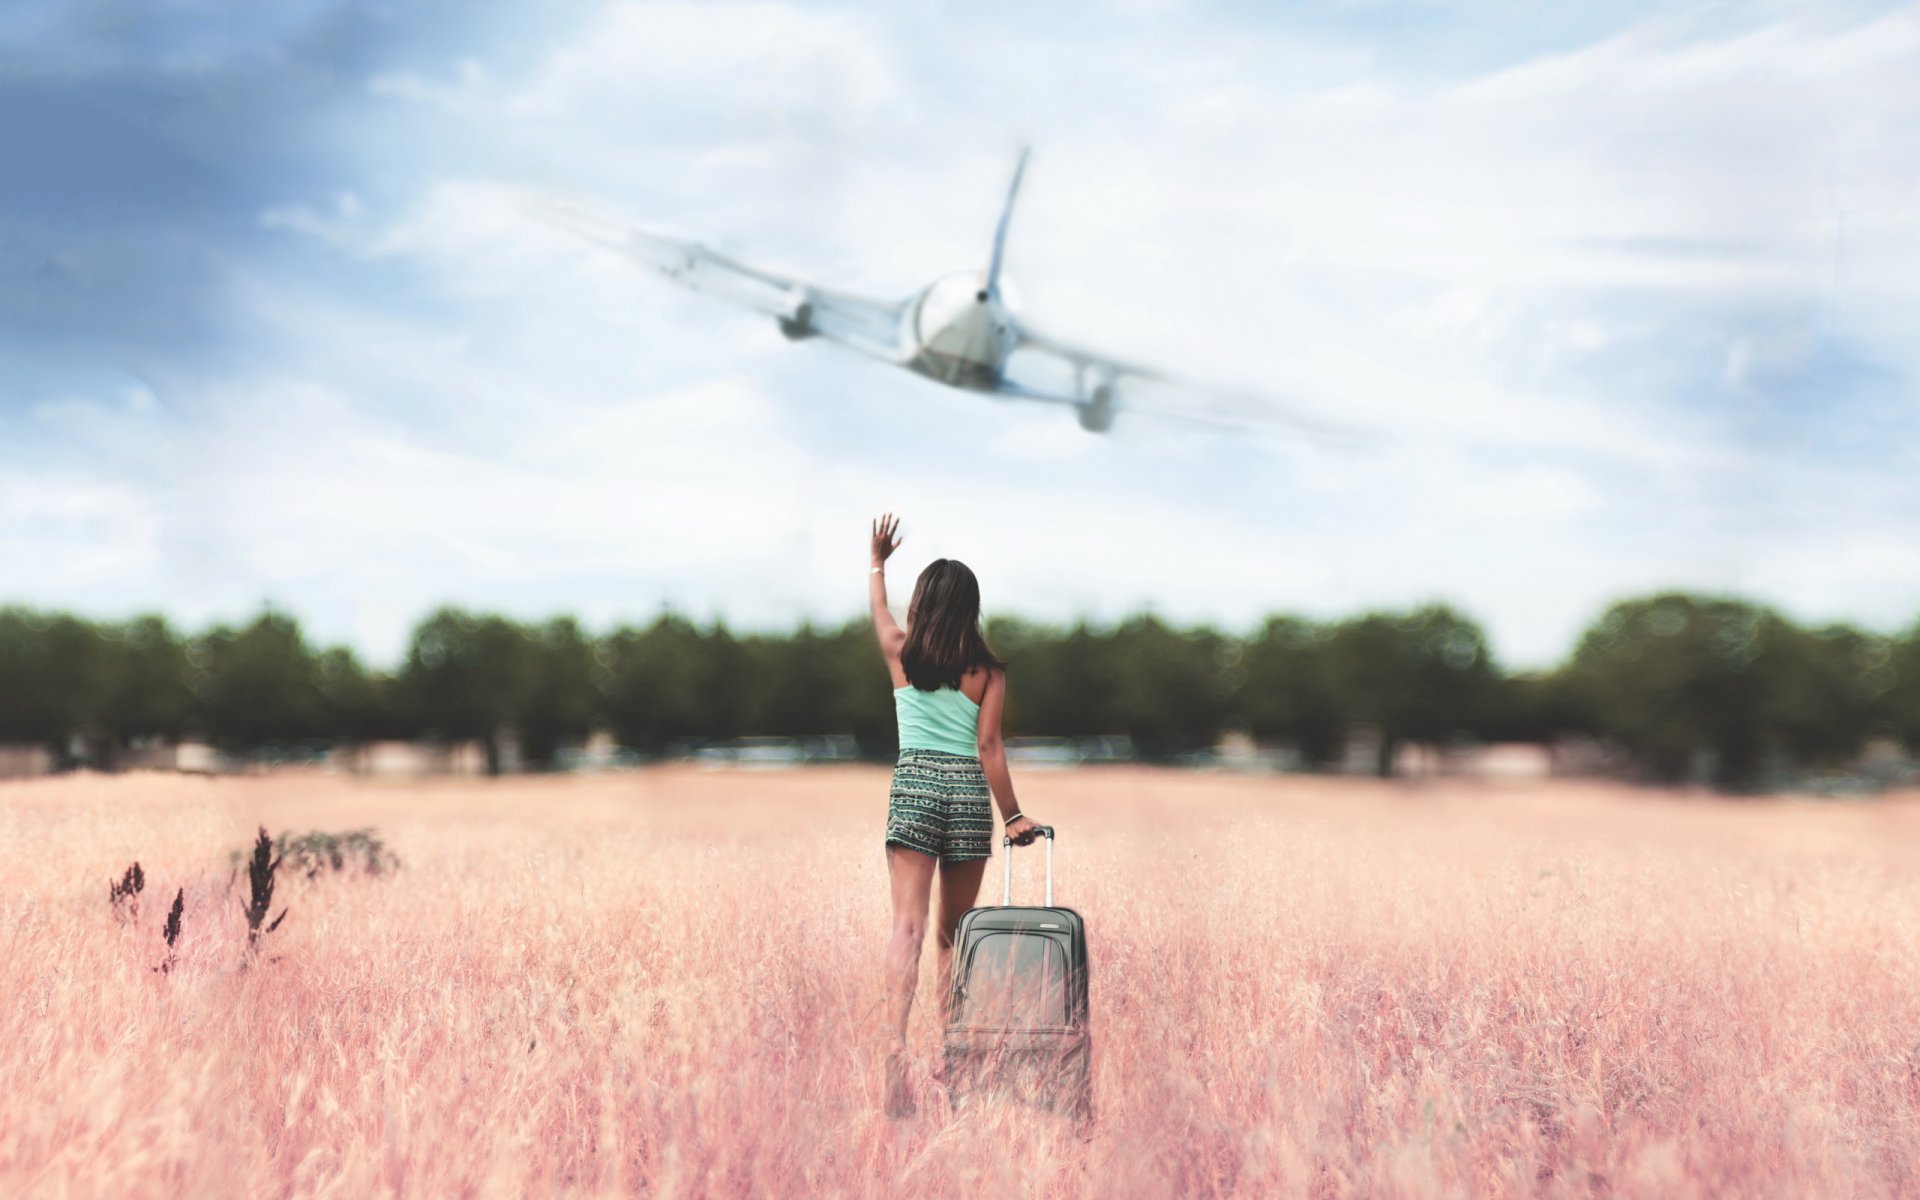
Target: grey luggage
[[1018, 1006]]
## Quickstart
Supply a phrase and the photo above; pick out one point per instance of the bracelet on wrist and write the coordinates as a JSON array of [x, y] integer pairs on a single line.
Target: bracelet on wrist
[[1015, 817]]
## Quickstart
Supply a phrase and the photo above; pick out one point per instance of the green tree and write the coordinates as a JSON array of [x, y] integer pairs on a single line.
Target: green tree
[[1828, 688], [856, 693], [1170, 689], [726, 684], [1535, 706], [1167, 689], [561, 700], [146, 691], [797, 689], [657, 683], [257, 685], [786, 700], [1680, 679], [1901, 702], [467, 675], [1422, 675], [357, 705], [1284, 690], [55, 675], [1058, 683]]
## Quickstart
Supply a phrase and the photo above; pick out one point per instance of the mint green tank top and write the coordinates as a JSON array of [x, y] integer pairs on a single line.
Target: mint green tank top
[[940, 720]]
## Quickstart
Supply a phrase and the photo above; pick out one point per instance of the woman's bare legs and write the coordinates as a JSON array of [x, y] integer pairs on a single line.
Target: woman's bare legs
[[911, 873], [959, 888]]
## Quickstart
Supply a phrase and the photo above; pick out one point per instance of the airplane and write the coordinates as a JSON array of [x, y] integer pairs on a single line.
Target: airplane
[[959, 330]]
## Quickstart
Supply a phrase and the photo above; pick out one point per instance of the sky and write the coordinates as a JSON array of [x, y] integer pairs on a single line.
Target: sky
[[1620, 297]]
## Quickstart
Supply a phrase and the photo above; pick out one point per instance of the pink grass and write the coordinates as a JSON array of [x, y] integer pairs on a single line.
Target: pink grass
[[668, 985]]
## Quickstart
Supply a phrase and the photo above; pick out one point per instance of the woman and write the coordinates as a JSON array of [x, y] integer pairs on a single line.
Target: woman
[[948, 690]]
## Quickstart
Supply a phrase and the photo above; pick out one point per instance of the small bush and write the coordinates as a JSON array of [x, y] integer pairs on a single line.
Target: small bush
[[354, 851]]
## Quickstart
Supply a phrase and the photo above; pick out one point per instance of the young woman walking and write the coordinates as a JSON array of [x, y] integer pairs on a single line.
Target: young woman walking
[[948, 690]]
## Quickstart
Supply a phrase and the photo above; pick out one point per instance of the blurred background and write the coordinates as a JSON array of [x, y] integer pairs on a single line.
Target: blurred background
[[314, 448]]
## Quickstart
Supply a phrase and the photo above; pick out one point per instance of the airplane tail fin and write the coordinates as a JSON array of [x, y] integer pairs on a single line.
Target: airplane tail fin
[[1000, 231]]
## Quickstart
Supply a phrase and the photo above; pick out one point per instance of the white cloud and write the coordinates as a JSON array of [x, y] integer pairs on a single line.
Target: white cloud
[[816, 74]]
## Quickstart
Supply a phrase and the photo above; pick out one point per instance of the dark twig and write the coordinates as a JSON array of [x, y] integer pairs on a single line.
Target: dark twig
[[260, 875], [125, 895]]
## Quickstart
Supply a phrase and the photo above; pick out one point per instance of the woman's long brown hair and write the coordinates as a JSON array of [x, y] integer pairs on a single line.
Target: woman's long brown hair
[[944, 640]]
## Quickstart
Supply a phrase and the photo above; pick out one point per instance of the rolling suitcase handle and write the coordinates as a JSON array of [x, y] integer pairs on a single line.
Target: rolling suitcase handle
[[1006, 896]]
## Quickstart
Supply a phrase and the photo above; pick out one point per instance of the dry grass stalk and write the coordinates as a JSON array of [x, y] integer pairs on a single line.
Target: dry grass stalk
[[172, 930], [260, 876]]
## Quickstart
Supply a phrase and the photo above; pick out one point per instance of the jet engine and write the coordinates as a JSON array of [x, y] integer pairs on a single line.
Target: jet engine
[[1096, 414], [800, 324]]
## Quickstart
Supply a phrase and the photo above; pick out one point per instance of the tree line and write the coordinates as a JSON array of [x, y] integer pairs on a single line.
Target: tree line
[[1681, 685]]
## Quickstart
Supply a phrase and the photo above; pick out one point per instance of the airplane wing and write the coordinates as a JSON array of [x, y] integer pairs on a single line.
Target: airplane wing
[[1136, 387], [803, 310]]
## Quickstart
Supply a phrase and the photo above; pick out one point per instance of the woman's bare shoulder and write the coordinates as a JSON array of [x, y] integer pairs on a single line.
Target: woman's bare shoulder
[[975, 681]]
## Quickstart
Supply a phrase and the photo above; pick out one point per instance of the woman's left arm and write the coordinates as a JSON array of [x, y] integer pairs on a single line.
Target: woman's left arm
[[993, 762]]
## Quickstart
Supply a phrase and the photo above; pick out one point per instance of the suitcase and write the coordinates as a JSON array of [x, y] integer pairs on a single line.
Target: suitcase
[[1018, 1005]]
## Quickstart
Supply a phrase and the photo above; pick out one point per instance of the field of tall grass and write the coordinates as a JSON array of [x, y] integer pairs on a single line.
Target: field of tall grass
[[668, 984]]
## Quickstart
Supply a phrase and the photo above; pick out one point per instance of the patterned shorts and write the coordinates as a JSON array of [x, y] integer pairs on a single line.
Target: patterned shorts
[[941, 806]]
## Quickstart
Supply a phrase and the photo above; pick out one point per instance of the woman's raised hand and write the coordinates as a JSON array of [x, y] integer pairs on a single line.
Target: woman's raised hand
[[885, 537]]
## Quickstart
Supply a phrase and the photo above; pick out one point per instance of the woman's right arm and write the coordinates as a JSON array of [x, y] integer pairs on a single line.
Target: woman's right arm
[[881, 547], [993, 761]]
